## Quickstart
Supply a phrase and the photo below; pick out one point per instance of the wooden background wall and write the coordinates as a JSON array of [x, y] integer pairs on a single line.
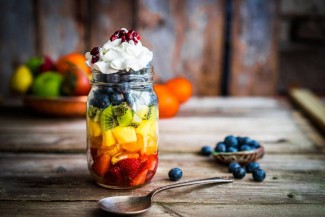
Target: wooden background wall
[[186, 36]]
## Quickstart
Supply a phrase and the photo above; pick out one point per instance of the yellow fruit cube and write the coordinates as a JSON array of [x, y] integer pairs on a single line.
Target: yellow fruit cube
[[150, 145], [94, 128], [134, 146], [108, 139], [125, 134], [147, 128]]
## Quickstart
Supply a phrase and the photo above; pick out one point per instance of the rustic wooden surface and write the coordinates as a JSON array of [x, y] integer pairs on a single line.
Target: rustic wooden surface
[[43, 167], [254, 48]]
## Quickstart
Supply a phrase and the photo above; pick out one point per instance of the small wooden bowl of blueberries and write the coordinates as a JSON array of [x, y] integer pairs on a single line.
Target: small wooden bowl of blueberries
[[240, 154]]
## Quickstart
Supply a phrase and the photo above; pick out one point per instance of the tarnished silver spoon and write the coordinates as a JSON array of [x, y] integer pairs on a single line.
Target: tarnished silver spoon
[[130, 205]]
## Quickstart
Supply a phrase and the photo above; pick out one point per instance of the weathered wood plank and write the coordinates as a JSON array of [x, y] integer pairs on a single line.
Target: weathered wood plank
[[291, 179], [254, 48], [62, 27], [85, 209], [107, 17], [186, 38], [58, 209], [17, 38]]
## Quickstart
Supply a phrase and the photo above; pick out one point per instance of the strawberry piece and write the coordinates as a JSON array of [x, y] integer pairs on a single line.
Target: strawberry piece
[[101, 164], [93, 152], [152, 162], [129, 167], [140, 178], [114, 176]]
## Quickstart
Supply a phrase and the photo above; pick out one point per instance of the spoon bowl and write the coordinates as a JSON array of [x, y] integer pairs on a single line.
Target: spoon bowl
[[131, 205]]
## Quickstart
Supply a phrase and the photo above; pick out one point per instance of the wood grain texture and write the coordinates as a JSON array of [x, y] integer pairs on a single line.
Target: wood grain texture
[[210, 119], [17, 38], [254, 48], [62, 27], [186, 38], [107, 17]]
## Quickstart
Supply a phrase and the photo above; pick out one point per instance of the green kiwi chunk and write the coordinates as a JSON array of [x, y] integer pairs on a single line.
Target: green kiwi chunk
[[107, 119], [94, 113], [152, 113], [124, 114]]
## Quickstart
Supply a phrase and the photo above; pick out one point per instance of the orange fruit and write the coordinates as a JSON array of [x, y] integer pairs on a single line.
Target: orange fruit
[[68, 61], [181, 88], [168, 103]]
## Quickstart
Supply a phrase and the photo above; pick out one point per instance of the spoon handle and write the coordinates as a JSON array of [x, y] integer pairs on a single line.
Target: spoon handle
[[219, 180]]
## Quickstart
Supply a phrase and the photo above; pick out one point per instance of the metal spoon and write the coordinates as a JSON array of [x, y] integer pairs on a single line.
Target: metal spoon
[[129, 205]]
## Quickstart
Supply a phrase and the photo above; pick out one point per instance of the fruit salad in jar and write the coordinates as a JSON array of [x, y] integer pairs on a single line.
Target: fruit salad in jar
[[122, 113]]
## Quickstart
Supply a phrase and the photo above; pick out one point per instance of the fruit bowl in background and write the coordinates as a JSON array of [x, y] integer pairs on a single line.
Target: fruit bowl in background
[[242, 157], [74, 106]]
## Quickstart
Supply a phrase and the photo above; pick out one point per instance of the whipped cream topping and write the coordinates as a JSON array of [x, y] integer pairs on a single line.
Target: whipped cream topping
[[117, 56]]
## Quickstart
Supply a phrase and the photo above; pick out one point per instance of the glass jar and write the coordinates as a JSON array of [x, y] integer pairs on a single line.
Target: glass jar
[[122, 128]]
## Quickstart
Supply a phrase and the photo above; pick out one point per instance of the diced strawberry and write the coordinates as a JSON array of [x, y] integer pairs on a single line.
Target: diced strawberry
[[114, 176], [93, 152], [101, 164], [150, 174], [129, 167], [140, 178], [152, 162]]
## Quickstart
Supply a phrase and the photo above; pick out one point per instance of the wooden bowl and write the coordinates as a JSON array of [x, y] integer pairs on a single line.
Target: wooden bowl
[[59, 107], [242, 157]]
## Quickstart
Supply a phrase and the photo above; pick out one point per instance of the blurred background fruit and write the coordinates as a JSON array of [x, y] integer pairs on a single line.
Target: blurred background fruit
[[47, 65], [168, 103], [65, 62], [181, 88], [34, 63], [47, 84], [75, 82], [21, 80]]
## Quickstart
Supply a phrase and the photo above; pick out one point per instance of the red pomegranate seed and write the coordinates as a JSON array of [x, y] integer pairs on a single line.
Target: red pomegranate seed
[[94, 51], [123, 39], [121, 33], [113, 37], [94, 59]]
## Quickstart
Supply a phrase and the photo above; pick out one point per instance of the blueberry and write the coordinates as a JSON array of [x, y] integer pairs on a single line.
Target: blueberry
[[220, 147], [206, 150], [259, 175], [125, 78], [240, 140], [231, 141], [231, 149], [175, 174], [246, 140], [250, 167], [116, 98], [109, 89], [123, 87], [232, 166], [245, 147], [254, 144], [129, 99], [239, 173], [104, 101], [113, 78]]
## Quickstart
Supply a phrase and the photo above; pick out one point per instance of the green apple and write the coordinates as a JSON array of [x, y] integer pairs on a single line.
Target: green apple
[[34, 64], [47, 84], [21, 80]]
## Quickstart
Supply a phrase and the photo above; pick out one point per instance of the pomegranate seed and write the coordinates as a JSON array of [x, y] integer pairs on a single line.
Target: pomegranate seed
[[121, 33], [94, 51], [94, 59], [113, 37], [136, 36], [129, 36], [123, 39]]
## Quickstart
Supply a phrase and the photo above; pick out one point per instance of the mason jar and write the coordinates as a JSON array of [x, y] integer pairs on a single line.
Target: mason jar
[[122, 128]]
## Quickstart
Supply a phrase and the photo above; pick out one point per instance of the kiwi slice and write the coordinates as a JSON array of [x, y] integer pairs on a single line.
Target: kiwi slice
[[107, 119], [152, 113], [94, 113], [136, 121], [124, 114], [142, 111]]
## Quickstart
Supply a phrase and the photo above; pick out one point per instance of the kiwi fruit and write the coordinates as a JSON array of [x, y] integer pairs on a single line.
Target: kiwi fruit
[[94, 113], [136, 121], [107, 119], [124, 114], [142, 111], [152, 113]]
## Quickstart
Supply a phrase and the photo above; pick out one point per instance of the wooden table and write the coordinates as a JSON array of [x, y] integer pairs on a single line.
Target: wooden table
[[43, 168]]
